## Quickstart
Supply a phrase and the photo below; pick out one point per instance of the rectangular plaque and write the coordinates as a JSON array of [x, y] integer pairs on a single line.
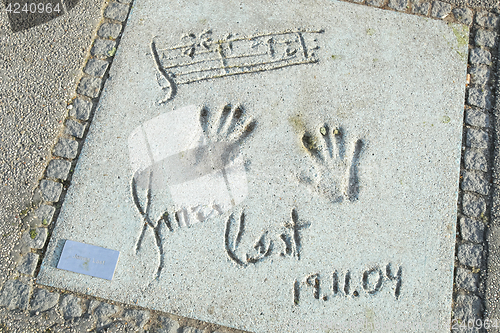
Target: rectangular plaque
[[88, 259], [272, 166]]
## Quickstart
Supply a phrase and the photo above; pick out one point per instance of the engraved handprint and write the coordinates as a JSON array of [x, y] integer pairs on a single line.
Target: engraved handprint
[[193, 171], [224, 131], [335, 174]]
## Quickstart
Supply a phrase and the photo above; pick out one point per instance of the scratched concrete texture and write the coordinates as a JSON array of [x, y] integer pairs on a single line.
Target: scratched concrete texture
[[342, 126]]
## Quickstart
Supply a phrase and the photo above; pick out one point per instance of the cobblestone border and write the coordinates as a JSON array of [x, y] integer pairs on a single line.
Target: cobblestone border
[[71, 312]]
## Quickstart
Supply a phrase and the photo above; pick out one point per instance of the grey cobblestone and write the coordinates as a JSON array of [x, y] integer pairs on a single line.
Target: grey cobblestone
[[476, 159], [167, 325], [96, 67], [109, 30], [473, 205], [140, 317], [440, 9], [478, 56], [89, 86], [475, 182], [105, 310], [421, 7], [103, 48], [45, 214], [35, 243], [71, 306], [487, 20], [463, 15], [468, 307], [475, 117], [400, 5], [58, 169], [187, 329], [480, 97], [476, 138], [470, 254], [74, 128], [486, 38], [467, 280], [80, 109], [15, 295], [472, 230], [116, 11], [28, 264], [66, 148], [480, 75], [51, 190], [375, 3], [43, 300]]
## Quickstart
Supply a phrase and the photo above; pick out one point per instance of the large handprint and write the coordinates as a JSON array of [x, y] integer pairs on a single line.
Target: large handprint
[[190, 176], [335, 175]]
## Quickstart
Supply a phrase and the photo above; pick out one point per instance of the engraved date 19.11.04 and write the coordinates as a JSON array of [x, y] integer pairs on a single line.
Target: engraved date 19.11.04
[[324, 287]]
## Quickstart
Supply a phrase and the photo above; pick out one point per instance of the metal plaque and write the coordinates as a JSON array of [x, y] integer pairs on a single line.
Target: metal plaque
[[88, 259]]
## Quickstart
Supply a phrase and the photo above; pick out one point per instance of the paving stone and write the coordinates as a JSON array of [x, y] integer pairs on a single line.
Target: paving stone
[[116, 11], [480, 75], [74, 128], [140, 317], [66, 148], [478, 56], [51, 190], [421, 7], [105, 310], [167, 325], [472, 230], [476, 159], [103, 48], [58, 169], [470, 254], [187, 329], [468, 307], [45, 214], [120, 327], [93, 304], [467, 280], [486, 19], [477, 138], [81, 109], [89, 86], [109, 30], [71, 306], [440, 9], [475, 117], [376, 3], [28, 264], [473, 205], [38, 242], [475, 182], [96, 67], [400, 5], [15, 295], [463, 15], [82, 324], [44, 300], [125, 1], [485, 38]]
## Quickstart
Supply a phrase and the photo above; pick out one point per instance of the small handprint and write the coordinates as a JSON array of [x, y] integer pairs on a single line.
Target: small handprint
[[336, 176]]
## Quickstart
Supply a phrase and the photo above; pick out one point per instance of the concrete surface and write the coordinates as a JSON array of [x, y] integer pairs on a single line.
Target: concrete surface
[[380, 101]]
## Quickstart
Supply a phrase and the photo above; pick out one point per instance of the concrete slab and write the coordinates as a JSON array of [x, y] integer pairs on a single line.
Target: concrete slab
[[275, 167]]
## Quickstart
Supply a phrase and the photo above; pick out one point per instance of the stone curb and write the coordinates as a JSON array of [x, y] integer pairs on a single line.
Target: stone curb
[[70, 312]]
